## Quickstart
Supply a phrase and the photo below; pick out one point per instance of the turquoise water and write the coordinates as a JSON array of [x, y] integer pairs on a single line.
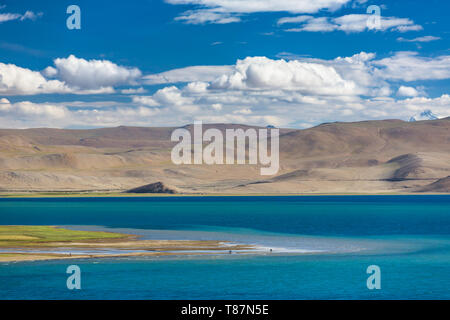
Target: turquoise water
[[408, 237]]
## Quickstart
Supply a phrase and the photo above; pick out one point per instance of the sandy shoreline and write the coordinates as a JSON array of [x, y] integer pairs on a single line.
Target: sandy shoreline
[[174, 251], [128, 246]]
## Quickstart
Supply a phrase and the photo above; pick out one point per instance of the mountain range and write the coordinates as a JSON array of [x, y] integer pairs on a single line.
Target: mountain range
[[424, 115], [383, 156]]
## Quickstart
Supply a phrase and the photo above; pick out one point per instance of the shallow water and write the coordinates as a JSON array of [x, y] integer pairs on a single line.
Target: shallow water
[[321, 247]]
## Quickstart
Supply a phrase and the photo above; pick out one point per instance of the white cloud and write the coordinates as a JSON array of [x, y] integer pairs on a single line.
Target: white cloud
[[133, 91], [228, 11], [145, 100], [358, 68], [406, 28], [419, 39], [4, 17], [405, 108], [294, 92], [404, 91], [50, 72], [188, 74], [269, 110], [207, 16], [28, 15], [70, 75], [250, 6], [409, 66], [216, 106], [197, 87], [297, 19], [168, 97], [301, 92], [348, 23], [28, 114], [93, 74], [15, 80], [259, 91], [31, 109], [243, 111], [174, 97], [261, 73]]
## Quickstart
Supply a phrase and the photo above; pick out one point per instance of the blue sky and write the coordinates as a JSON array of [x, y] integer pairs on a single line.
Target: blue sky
[[160, 63]]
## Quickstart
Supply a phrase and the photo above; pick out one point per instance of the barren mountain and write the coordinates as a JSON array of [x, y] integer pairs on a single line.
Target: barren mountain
[[360, 157]]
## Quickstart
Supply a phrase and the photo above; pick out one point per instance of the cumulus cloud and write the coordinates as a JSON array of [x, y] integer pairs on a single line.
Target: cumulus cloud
[[261, 73], [404, 91], [306, 89], [358, 69], [69, 75], [146, 101], [300, 92], [197, 87], [260, 91], [15, 80], [168, 97], [228, 11], [348, 23], [92, 74], [174, 98]]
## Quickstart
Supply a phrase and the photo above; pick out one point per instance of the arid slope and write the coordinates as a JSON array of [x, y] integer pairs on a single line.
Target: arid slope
[[361, 157]]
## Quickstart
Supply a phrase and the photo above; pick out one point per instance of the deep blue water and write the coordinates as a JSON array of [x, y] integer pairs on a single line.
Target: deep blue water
[[408, 237]]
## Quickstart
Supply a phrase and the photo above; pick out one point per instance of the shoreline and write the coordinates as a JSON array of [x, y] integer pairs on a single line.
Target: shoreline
[[58, 194], [31, 257], [32, 243]]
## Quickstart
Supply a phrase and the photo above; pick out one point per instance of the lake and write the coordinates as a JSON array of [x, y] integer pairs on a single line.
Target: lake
[[321, 247]]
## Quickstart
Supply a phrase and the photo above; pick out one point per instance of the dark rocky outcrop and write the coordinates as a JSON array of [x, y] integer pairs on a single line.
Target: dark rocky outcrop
[[410, 165], [157, 187]]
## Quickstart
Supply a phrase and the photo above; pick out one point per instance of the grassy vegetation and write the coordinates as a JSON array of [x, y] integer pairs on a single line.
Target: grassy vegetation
[[25, 236]]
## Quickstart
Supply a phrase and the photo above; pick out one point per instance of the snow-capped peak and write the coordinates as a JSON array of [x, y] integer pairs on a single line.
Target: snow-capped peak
[[424, 115]]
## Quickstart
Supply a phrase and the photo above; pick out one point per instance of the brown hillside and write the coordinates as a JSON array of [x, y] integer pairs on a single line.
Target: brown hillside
[[367, 157]]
